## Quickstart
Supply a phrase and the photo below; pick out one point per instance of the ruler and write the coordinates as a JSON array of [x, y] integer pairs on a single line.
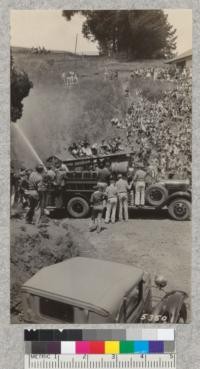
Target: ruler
[[121, 361]]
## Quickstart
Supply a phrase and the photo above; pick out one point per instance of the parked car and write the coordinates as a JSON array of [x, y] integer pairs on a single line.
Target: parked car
[[86, 290]]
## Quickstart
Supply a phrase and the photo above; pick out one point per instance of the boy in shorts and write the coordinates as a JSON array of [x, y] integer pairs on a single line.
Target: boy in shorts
[[97, 204]]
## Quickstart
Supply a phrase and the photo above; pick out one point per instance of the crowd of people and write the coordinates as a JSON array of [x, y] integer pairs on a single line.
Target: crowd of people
[[39, 50], [169, 73], [158, 132], [69, 78], [29, 188], [115, 192], [83, 148]]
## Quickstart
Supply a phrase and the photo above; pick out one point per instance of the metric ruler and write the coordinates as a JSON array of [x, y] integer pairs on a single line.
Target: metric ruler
[[100, 349], [124, 361]]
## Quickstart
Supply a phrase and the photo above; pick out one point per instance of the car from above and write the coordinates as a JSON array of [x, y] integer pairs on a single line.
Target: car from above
[[86, 290]]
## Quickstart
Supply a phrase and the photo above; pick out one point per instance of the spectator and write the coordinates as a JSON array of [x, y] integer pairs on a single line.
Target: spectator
[[122, 189], [139, 180], [97, 203], [111, 196]]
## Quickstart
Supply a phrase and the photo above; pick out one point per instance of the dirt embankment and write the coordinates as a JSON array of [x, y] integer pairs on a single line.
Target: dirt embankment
[[33, 248]]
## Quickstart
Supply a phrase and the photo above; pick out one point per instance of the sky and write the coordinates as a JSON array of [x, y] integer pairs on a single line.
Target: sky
[[49, 29]]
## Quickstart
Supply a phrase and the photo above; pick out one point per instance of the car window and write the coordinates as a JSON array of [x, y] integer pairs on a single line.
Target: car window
[[57, 310]]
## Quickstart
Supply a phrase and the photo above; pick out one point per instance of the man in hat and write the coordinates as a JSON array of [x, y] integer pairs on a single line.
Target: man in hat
[[111, 206], [97, 203], [139, 180], [122, 189], [35, 182]]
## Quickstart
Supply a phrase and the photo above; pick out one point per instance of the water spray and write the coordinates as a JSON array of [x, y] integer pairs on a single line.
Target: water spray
[[29, 145]]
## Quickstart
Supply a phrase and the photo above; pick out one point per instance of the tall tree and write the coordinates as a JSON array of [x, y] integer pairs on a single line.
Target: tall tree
[[20, 86], [138, 33]]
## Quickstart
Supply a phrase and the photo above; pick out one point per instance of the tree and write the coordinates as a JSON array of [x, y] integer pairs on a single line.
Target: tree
[[20, 88], [138, 33]]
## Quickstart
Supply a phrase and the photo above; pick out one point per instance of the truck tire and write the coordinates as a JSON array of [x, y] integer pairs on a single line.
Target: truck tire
[[156, 194], [78, 207], [180, 209]]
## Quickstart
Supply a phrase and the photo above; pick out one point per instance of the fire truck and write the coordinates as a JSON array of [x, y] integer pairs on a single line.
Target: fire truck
[[80, 181]]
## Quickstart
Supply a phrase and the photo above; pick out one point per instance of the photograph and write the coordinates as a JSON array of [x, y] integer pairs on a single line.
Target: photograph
[[101, 166]]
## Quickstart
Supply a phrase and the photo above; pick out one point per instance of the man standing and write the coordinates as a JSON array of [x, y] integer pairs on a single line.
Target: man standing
[[97, 204], [111, 195], [103, 174], [35, 182], [122, 189], [139, 180]]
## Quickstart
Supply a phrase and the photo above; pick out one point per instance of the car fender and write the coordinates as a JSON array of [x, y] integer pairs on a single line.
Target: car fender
[[170, 306], [179, 194]]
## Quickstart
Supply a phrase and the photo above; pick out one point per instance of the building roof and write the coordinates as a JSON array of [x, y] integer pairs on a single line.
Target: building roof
[[187, 54], [85, 282]]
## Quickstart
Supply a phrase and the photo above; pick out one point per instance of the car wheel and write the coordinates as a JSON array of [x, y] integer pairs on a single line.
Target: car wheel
[[180, 209], [78, 207], [156, 194]]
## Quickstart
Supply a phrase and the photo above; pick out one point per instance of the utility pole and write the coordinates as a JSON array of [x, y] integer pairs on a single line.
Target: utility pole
[[76, 42]]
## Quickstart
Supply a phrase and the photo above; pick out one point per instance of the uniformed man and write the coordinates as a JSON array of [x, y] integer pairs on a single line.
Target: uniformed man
[[35, 181], [139, 181], [122, 189], [111, 206], [97, 204]]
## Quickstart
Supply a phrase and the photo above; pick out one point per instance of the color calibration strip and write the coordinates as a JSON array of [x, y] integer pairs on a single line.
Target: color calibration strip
[[99, 347], [129, 334]]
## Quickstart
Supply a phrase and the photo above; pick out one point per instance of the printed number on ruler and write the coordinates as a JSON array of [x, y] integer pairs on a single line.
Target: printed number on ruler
[[124, 361]]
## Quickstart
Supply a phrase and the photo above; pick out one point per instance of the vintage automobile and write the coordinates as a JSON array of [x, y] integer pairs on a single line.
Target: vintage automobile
[[171, 194], [86, 290], [79, 183]]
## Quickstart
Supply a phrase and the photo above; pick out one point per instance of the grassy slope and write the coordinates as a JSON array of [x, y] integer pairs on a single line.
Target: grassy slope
[[54, 116]]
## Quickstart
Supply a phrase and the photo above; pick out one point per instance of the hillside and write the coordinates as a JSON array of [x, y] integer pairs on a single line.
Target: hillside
[[54, 115]]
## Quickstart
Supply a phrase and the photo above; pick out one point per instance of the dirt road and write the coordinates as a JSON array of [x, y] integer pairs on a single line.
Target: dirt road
[[156, 245]]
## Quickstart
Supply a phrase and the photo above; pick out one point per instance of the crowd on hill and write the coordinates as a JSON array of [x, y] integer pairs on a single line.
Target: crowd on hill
[[39, 50], [158, 132], [169, 73]]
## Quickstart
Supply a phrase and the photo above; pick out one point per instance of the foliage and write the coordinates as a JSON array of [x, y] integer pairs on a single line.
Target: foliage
[[20, 88], [136, 33]]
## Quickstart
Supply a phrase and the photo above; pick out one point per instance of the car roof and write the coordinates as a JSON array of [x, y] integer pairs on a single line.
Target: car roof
[[85, 282]]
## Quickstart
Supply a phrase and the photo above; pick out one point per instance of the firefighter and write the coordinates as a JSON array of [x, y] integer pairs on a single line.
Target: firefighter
[[35, 181]]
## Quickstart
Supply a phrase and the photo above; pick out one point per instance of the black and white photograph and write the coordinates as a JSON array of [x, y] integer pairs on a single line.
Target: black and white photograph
[[101, 166]]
